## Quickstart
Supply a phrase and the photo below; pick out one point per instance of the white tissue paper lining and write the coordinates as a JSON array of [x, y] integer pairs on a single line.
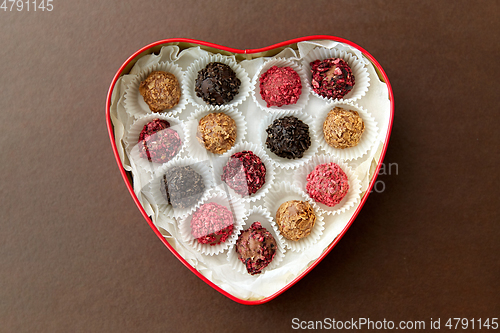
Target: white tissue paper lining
[[216, 268]]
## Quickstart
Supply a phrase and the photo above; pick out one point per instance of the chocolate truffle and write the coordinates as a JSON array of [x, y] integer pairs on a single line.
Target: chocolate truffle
[[212, 224], [256, 248], [327, 184], [182, 187], [217, 84], [288, 137], [157, 142], [295, 219], [343, 128], [280, 86], [160, 90], [331, 78], [216, 132], [244, 173]]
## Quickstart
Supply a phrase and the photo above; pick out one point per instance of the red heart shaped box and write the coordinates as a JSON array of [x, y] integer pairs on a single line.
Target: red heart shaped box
[[266, 51]]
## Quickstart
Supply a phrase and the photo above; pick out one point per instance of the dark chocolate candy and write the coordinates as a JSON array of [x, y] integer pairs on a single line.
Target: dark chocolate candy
[[288, 137], [217, 84], [182, 187]]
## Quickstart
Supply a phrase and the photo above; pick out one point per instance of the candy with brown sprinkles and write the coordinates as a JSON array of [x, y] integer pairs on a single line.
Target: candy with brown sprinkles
[[161, 91], [182, 187], [288, 137], [212, 224]]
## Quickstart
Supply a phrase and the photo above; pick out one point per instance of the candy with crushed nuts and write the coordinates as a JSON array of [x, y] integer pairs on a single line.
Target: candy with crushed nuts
[[343, 128], [161, 91], [157, 142], [217, 84], [182, 187], [295, 219], [244, 173], [212, 224], [288, 137], [256, 248], [327, 184], [216, 132], [332, 78], [280, 86]]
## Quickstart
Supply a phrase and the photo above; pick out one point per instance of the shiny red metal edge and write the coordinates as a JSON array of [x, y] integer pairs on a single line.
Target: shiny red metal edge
[[224, 48]]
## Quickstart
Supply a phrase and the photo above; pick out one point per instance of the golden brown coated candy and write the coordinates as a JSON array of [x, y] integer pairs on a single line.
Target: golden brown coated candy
[[160, 90], [343, 128], [295, 219], [216, 132]]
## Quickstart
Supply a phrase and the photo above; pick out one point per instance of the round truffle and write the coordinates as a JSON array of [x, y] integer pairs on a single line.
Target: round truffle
[[256, 248], [160, 90], [343, 128], [295, 219], [212, 224], [244, 173], [157, 142], [331, 78], [182, 187], [217, 84], [327, 184], [216, 132], [280, 86], [288, 137]]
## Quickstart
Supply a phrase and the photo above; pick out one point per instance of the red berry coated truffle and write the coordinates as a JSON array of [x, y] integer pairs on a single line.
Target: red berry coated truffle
[[327, 184], [280, 86], [244, 173], [157, 142], [331, 78], [212, 224], [256, 248]]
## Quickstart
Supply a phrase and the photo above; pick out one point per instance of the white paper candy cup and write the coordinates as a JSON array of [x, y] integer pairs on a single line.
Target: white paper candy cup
[[134, 102], [194, 147], [280, 62], [282, 192], [153, 192], [352, 196], [282, 162], [367, 138], [220, 161], [192, 74], [361, 77], [132, 146], [258, 214], [235, 207]]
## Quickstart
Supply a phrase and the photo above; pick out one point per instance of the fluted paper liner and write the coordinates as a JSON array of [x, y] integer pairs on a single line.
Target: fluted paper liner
[[282, 162], [258, 214], [368, 137], [131, 140], [153, 192], [198, 150], [352, 196], [361, 77], [134, 102], [221, 161], [235, 207], [282, 192], [281, 62], [192, 74]]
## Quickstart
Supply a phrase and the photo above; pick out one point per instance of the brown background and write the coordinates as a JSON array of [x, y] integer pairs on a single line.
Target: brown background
[[77, 256]]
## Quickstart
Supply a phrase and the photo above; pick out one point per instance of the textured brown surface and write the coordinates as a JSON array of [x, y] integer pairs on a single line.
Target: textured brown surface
[[217, 132], [160, 90], [343, 128], [295, 219], [76, 254]]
